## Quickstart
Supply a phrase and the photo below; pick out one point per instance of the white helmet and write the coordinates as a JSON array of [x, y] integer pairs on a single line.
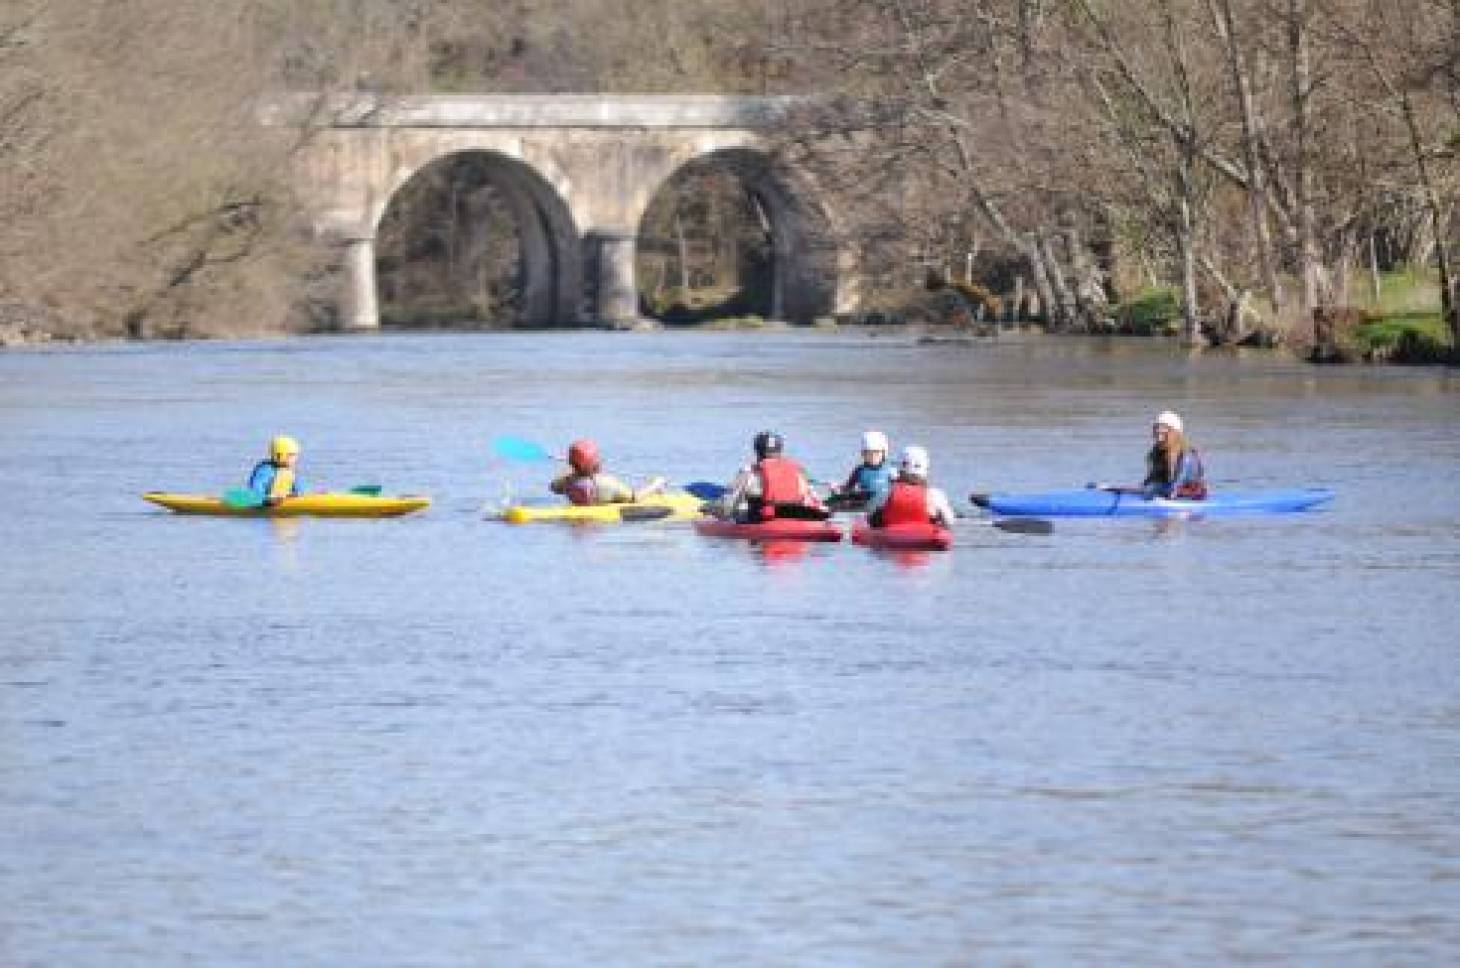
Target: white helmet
[[1168, 418], [915, 461], [875, 440]]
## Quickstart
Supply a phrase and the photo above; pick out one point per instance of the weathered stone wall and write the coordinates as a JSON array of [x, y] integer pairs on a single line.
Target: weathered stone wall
[[581, 171]]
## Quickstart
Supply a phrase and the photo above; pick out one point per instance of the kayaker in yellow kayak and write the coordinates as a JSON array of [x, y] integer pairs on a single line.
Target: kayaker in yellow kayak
[[276, 477], [586, 483]]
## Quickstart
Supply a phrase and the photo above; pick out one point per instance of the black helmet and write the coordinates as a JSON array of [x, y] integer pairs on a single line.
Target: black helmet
[[768, 443]]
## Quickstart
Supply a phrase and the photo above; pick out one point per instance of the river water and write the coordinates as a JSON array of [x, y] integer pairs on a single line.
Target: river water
[[443, 740]]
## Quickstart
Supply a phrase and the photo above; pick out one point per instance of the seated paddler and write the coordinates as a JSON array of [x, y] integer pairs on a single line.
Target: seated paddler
[[911, 499], [774, 486], [276, 477], [1173, 466], [586, 482]]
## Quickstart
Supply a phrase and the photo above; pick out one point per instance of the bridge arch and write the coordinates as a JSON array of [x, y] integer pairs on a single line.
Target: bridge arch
[[550, 267], [803, 254]]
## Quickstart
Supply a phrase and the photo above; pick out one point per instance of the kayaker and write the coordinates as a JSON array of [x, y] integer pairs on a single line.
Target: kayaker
[[910, 499], [1173, 466], [869, 478], [586, 483], [774, 486], [276, 477]]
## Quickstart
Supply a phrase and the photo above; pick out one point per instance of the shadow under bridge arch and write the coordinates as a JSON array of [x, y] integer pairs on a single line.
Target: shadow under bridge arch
[[733, 232], [478, 237]]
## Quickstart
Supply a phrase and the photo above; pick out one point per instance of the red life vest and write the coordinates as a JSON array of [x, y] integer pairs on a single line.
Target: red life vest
[[1195, 487], [581, 490], [906, 504], [780, 480]]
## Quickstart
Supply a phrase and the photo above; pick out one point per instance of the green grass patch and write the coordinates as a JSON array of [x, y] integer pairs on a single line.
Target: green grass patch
[[1153, 310], [1412, 337], [1407, 292]]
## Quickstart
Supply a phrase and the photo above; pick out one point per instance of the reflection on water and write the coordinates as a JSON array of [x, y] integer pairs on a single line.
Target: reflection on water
[[443, 740]]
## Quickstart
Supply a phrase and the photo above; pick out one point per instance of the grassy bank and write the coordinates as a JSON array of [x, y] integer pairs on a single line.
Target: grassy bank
[[1404, 324]]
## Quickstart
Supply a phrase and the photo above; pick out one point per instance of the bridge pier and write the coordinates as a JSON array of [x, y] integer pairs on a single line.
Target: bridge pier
[[611, 255], [362, 311]]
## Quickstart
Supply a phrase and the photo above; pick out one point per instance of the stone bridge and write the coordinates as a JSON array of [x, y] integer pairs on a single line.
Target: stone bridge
[[578, 172]]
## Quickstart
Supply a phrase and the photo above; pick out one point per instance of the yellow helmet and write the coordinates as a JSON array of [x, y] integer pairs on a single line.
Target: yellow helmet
[[282, 446]]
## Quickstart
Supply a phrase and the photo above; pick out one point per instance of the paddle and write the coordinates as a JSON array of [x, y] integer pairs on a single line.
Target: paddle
[[509, 447], [643, 512], [368, 490], [1024, 525], [243, 498], [1014, 525], [705, 490]]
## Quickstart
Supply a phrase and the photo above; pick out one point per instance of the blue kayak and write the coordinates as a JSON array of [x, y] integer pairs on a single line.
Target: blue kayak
[[1092, 502]]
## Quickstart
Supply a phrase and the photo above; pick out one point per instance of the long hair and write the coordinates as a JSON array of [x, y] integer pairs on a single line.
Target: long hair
[[1163, 460]]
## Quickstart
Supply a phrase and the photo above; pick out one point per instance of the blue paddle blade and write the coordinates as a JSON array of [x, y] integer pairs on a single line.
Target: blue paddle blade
[[516, 448], [243, 497], [705, 491]]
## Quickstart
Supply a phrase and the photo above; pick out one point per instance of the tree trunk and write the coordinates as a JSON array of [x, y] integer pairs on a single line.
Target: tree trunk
[[1064, 304], [1225, 22], [1301, 85], [1186, 245], [683, 249], [1042, 287], [1374, 268]]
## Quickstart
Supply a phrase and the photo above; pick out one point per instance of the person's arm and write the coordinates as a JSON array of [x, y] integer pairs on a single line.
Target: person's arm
[[655, 485], [874, 507], [611, 490], [261, 477], [744, 485], [940, 511]]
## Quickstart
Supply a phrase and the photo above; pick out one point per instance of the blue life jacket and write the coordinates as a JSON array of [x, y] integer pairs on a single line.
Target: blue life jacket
[[871, 480], [261, 480]]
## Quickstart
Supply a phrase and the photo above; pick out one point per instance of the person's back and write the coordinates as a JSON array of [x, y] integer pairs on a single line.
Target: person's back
[[587, 483], [276, 477], [911, 499], [774, 486]]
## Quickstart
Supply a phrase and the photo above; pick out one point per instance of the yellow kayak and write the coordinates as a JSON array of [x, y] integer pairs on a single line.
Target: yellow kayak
[[656, 507], [305, 505]]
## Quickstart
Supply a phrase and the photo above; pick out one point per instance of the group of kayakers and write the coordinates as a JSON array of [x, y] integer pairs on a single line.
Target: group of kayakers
[[775, 486]]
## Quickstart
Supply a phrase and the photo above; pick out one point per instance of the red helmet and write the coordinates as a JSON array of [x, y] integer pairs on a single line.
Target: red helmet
[[583, 455]]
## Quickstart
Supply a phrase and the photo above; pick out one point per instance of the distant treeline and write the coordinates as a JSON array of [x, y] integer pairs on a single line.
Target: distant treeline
[[1264, 158]]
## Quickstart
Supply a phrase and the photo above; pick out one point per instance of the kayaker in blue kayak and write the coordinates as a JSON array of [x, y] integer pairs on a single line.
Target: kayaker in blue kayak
[[871, 477], [773, 487], [276, 477], [910, 499], [1173, 467], [586, 483]]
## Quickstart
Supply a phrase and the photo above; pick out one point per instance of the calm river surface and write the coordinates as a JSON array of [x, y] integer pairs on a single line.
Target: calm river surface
[[443, 740]]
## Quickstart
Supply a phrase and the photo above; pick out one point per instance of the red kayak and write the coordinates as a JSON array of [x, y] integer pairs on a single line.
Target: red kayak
[[776, 529], [904, 537]]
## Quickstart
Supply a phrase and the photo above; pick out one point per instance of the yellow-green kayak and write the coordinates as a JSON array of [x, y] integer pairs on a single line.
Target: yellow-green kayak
[[656, 507], [305, 505]]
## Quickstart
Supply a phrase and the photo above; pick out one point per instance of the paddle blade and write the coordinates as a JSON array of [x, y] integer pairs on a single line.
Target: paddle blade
[[705, 491], [369, 490], [978, 499], [508, 447], [1024, 525], [243, 497], [644, 512]]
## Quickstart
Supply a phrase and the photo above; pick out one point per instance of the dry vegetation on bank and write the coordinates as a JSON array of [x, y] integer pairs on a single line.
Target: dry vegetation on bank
[[1260, 158]]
